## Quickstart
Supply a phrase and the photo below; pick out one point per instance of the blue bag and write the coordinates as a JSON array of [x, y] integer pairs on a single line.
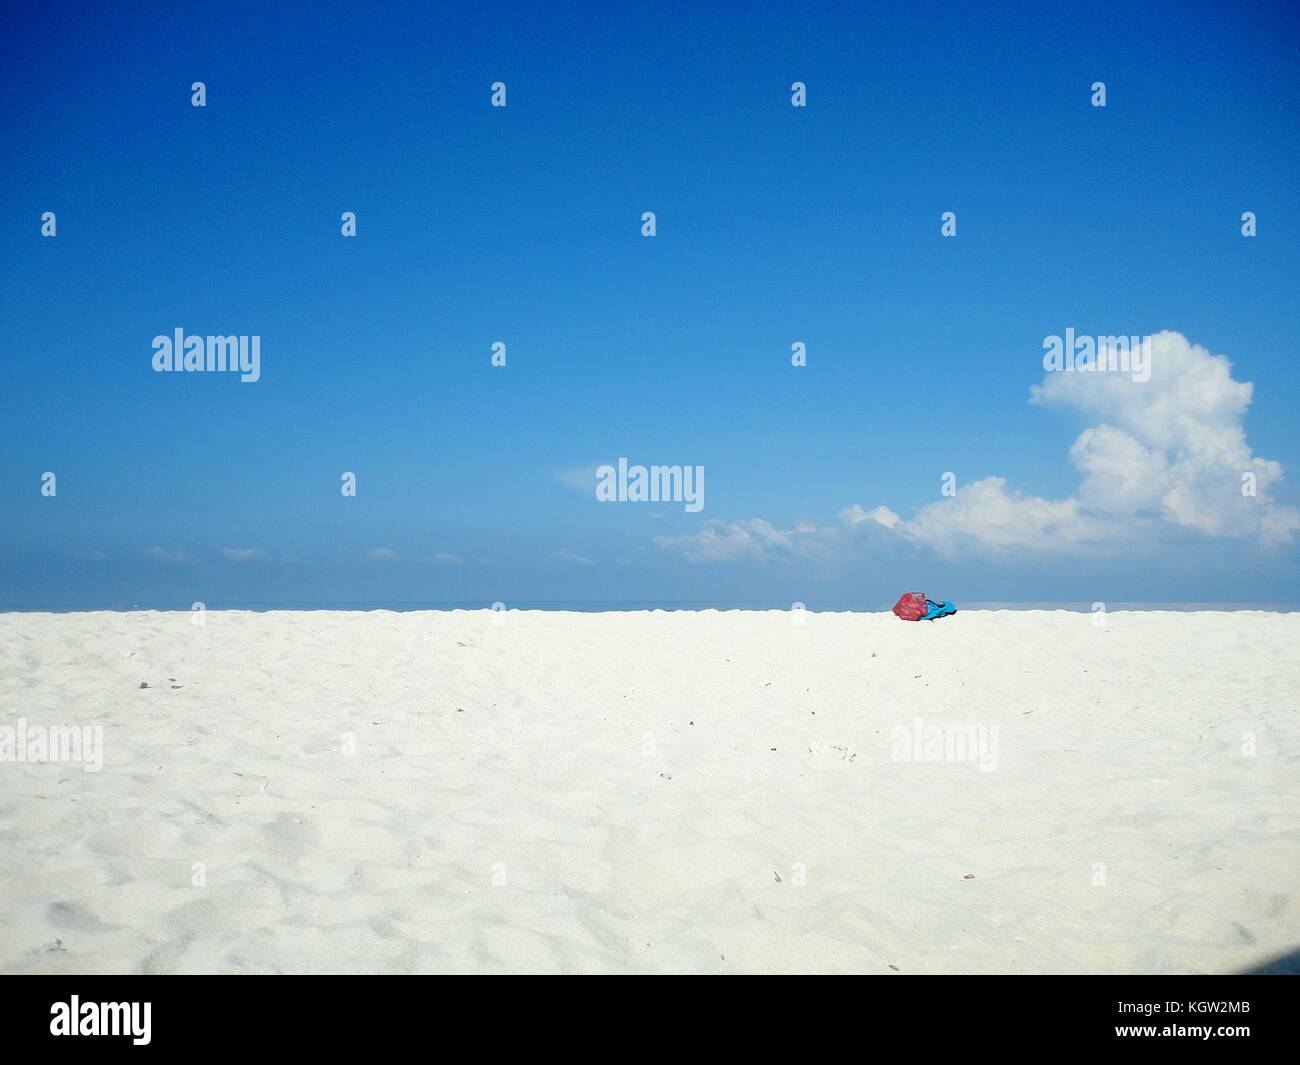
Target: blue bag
[[940, 609]]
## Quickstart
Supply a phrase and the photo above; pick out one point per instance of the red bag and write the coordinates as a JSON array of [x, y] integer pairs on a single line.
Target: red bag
[[912, 607]]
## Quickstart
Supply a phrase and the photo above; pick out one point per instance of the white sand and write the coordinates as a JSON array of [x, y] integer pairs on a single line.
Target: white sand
[[621, 792]]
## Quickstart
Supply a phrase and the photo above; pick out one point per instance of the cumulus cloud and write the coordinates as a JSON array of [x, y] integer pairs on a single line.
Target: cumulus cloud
[[383, 554], [240, 554], [855, 515], [1170, 450], [985, 513], [1168, 453]]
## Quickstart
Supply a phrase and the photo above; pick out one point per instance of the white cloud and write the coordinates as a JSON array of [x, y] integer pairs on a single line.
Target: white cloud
[[1121, 474], [161, 555], [383, 554], [1175, 445], [754, 538], [730, 541], [1170, 451], [566, 556], [855, 515], [448, 558], [984, 513], [240, 554], [1166, 453], [88, 556]]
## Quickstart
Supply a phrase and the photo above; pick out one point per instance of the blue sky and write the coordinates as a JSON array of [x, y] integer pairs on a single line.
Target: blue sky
[[522, 224]]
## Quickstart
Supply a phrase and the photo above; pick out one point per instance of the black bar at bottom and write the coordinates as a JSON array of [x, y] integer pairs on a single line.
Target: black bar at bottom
[[222, 1014]]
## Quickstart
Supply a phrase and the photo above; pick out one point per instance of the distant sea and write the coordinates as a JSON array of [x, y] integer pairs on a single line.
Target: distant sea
[[601, 606]]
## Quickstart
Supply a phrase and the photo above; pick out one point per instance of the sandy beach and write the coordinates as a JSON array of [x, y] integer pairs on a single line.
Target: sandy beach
[[999, 792]]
